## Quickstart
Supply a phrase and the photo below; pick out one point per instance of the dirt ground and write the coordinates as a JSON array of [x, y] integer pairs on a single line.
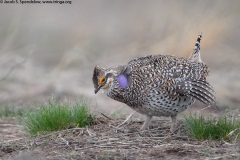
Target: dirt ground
[[105, 140]]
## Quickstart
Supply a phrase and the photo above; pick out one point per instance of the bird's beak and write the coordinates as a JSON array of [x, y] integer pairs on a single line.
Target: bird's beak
[[96, 90]]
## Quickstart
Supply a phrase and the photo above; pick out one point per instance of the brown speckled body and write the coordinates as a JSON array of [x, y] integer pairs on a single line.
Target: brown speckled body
[[153, 89], [159, 85]]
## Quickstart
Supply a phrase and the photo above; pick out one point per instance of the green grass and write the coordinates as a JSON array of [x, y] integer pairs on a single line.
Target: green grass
[[54, 116], [8, 111], [222, 128]]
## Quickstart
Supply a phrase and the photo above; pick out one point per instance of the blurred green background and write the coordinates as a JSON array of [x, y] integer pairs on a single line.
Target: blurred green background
[[51, 50]]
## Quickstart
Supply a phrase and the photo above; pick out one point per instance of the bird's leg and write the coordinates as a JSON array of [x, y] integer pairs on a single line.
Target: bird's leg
[[173, 125], [146, 123]]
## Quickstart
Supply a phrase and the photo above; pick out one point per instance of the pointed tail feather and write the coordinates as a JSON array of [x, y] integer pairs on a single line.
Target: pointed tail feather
[[200, 90], [195, 56], [205, 83]]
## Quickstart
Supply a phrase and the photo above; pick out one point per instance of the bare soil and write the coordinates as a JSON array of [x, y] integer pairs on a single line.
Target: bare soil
[[105, 141]]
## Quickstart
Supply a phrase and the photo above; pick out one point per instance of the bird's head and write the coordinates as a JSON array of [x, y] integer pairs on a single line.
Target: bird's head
[[103, 78], [106, 78]]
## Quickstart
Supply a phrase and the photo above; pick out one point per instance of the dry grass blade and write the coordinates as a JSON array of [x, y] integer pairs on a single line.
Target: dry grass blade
[[127, 119], [106, 116]]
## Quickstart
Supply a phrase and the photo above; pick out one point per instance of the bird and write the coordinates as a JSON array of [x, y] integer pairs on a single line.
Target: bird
[[158, 85]]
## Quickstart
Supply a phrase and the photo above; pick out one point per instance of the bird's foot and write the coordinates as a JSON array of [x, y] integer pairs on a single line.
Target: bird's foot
[[145, 125], [173, 128], [176, 127]]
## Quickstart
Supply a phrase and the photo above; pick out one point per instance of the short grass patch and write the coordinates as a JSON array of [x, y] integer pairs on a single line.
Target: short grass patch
[[10, 111], [54, 116], [221, 128]]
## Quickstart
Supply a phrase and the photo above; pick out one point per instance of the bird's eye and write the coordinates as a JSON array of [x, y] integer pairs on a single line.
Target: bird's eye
[[101, 80]]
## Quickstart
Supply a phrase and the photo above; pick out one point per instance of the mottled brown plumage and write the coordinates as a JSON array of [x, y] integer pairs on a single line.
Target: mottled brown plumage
[[157, 85]]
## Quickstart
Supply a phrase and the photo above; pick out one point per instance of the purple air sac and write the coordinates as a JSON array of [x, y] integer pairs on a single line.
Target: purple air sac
[[122, 81]]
